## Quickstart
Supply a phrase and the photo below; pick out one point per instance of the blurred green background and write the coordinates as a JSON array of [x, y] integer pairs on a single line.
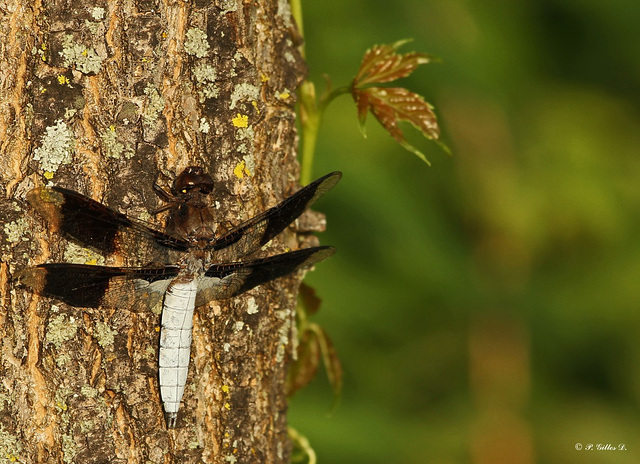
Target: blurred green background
[[486, 309]]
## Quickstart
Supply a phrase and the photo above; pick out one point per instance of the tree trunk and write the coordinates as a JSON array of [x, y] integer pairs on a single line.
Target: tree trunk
[[100, 99]]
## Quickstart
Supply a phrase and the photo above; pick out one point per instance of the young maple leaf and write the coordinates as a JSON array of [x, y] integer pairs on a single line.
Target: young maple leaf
[[382, 64], [390, 105], [393, 104]]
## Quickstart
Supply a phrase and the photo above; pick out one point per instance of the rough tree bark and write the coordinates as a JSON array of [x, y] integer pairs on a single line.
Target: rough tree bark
[[100, 97]]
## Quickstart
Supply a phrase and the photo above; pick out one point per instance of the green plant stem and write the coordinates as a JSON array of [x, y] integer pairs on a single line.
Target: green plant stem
[[303, 443], [310, 111], [309, 130], [296, 12], [310, 118], [329, 97]]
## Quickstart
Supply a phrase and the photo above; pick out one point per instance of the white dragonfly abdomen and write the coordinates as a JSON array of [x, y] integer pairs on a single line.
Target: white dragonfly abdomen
[[175, 345]]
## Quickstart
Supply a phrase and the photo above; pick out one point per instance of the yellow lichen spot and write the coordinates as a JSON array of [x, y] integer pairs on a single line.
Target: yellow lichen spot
[[226, 434], [43, 58], [112, 128], [264, 77], [63, 79], [239, 170], [85, 52], [225, 388], [43, 90], [92, 261], [227, 406], [241, 120], [255, 105], [43, 47], [48, 175], [164, 35], [284, 95]]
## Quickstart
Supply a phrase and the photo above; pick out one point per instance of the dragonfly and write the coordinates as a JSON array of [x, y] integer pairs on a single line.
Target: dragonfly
[[193, 262]]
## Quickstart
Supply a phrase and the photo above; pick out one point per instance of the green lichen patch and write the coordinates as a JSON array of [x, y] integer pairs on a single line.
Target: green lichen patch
[[205, 127], [154, 106], [227, 6], [113, 148], [86, 426], [284, 11], [244, 92], [10, 447], [104, 334], [89, 391], [250, 163], [85, 59], [56, 147], [284, 333], [62, 359], [4, 400], [97, 13], [149, 352], [196, 43], [252, 306], [69, 448], [60, 329], [245, 133], [242, 148], [94, 28], [205, 75], [74, 253], [15, 230], [60, 399]]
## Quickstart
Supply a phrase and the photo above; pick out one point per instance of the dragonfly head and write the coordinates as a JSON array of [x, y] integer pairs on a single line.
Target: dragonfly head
[[192, 180]]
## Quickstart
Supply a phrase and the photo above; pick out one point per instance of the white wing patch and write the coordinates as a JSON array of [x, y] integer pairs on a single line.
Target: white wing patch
[[215, 288]]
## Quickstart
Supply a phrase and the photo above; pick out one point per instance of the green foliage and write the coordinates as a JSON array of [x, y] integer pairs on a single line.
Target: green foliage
[[389, 105], [495, 294]]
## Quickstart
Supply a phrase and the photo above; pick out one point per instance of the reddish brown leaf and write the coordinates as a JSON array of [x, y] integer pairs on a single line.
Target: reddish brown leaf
[[331, 362], [363, 105], [381, 63], [394, 104], [305, 368], [309, 299]]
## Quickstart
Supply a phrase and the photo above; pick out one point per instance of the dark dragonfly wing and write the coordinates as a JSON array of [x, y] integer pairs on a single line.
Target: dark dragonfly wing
[[226, 280], [254, 233], [91, 222], [90, 286]]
